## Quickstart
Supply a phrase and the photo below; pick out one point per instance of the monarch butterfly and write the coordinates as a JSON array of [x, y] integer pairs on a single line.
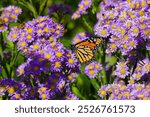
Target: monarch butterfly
[[85, 50]]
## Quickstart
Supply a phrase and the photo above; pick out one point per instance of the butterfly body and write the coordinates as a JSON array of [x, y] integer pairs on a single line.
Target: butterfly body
[[85, 50]]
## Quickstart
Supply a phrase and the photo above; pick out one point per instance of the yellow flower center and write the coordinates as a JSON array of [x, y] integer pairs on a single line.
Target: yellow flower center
[[103, 93], [46, 29], [6, 19], [92, 72], [15, 35], [126, 94], [36, 46], [138, 76], [86, 2], [58, 27], [135, 30], [123, 31], [59, 54], [143, 3], [71, 61], [17, 96], [29, 30], [147, 32], [70, 77], [52, 87], [48, 56], [82, 34], [147, 67], [42, 89], [97, 66], [113, 26], [90, 66], [58, 32], [113, 46], [44, 96], [11, 90], [122, 64], [137, 5], [142, 26], [16, 10], [129, 24], [140, 95], [77, 40], [36, 68], [141, 13], [122, 71], [132, 43], [57, 64], [13, 16], [54, 80], [29, 37], [104, 32], [21, 71], [39, 31], [81, 7]]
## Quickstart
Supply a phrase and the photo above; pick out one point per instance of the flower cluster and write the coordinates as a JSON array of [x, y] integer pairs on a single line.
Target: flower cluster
[[122, 92], [82, 7], [12, 88], [33, 34], [125, 22], [92, 69], [9, 14], [50, 67]]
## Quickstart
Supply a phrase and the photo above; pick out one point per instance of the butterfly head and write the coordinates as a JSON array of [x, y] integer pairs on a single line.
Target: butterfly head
[[72, 47]]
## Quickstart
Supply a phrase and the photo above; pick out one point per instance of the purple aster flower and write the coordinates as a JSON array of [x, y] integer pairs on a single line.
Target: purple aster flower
[[10, 86], [71, 61], [92, 69], [71, 77], [20, 69], [102, 92], [10, 13], [60, 8], [122, 69], [16, 96]]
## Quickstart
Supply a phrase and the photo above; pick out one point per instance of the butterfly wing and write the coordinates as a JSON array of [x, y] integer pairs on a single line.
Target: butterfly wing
[[85, 49], [84, 54]]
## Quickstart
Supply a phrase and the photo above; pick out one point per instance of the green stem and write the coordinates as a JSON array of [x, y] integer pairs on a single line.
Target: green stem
[[14, 58], [2, 54], [1, 47], [31, 83], [104, 78], [87, 25]]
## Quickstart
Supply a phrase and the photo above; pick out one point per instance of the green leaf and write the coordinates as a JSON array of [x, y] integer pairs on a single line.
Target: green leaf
[[84, 85], [30, 7], [43, 4], [95, 83], [76, 91], [8, 67]]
